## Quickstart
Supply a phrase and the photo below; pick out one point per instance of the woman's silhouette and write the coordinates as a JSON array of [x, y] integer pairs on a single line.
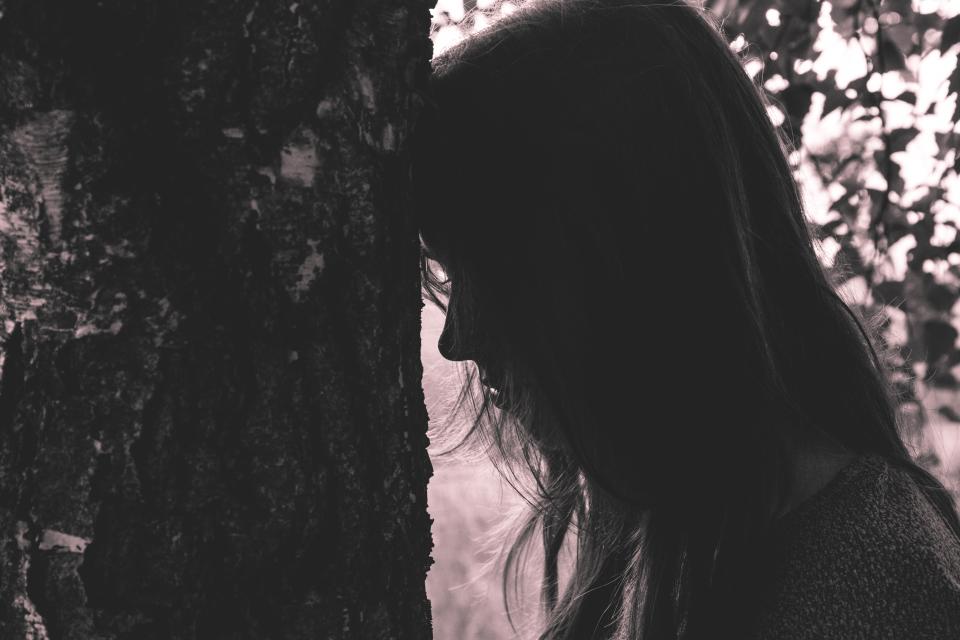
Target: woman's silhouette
[[625, 257]]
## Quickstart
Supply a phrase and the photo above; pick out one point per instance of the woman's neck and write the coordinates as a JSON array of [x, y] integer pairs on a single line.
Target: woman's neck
[[815, 463]]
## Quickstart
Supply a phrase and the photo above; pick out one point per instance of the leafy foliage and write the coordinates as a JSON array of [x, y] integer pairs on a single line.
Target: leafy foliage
[[869, 93]]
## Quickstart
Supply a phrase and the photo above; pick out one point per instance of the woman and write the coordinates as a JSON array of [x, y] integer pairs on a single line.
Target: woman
[[624, 255]]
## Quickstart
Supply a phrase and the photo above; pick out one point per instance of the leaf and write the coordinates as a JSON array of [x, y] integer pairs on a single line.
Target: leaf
[[907, 96], [903, 388], [942, 380], [896, 231], [926, 201], [843, 206], [831, 227], [848, 258], [954, 86], [941, 297], [938, 339], [796, 98], [891, 58], [902, 35], [953, 358], [903, 7], [898, 139], [844, 24], [893, 215], [841, 12], [889, 293], [835, 98], [951, 33], [799, 8], [945, 140]]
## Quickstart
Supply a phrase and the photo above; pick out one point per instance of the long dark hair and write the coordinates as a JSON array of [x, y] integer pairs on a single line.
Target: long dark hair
[[611, 224]]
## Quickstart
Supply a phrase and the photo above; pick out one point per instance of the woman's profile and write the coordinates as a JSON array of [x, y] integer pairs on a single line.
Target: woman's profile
[[611, 225]]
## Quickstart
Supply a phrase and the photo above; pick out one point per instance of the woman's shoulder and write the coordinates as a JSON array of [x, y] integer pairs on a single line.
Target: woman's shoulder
[[868, 556]]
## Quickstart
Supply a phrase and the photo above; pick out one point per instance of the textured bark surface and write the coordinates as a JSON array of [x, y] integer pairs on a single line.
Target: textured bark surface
[[211, 418]]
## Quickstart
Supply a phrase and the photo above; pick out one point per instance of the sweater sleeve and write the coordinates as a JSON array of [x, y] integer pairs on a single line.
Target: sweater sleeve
[[868, 557]]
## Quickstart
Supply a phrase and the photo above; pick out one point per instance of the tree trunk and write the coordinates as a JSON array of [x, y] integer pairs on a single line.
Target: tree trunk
[[211, 417]]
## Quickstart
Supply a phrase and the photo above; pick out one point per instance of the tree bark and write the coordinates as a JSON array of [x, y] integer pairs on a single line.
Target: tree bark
[[211, 417]]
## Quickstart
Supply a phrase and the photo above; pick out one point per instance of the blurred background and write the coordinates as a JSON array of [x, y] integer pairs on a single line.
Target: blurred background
[[866, 91]]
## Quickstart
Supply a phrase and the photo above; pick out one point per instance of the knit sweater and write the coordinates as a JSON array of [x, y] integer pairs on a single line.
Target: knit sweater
[[866, 557]]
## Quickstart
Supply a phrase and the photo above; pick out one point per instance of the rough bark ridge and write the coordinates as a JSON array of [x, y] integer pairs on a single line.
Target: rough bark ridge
[[211, 418]]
